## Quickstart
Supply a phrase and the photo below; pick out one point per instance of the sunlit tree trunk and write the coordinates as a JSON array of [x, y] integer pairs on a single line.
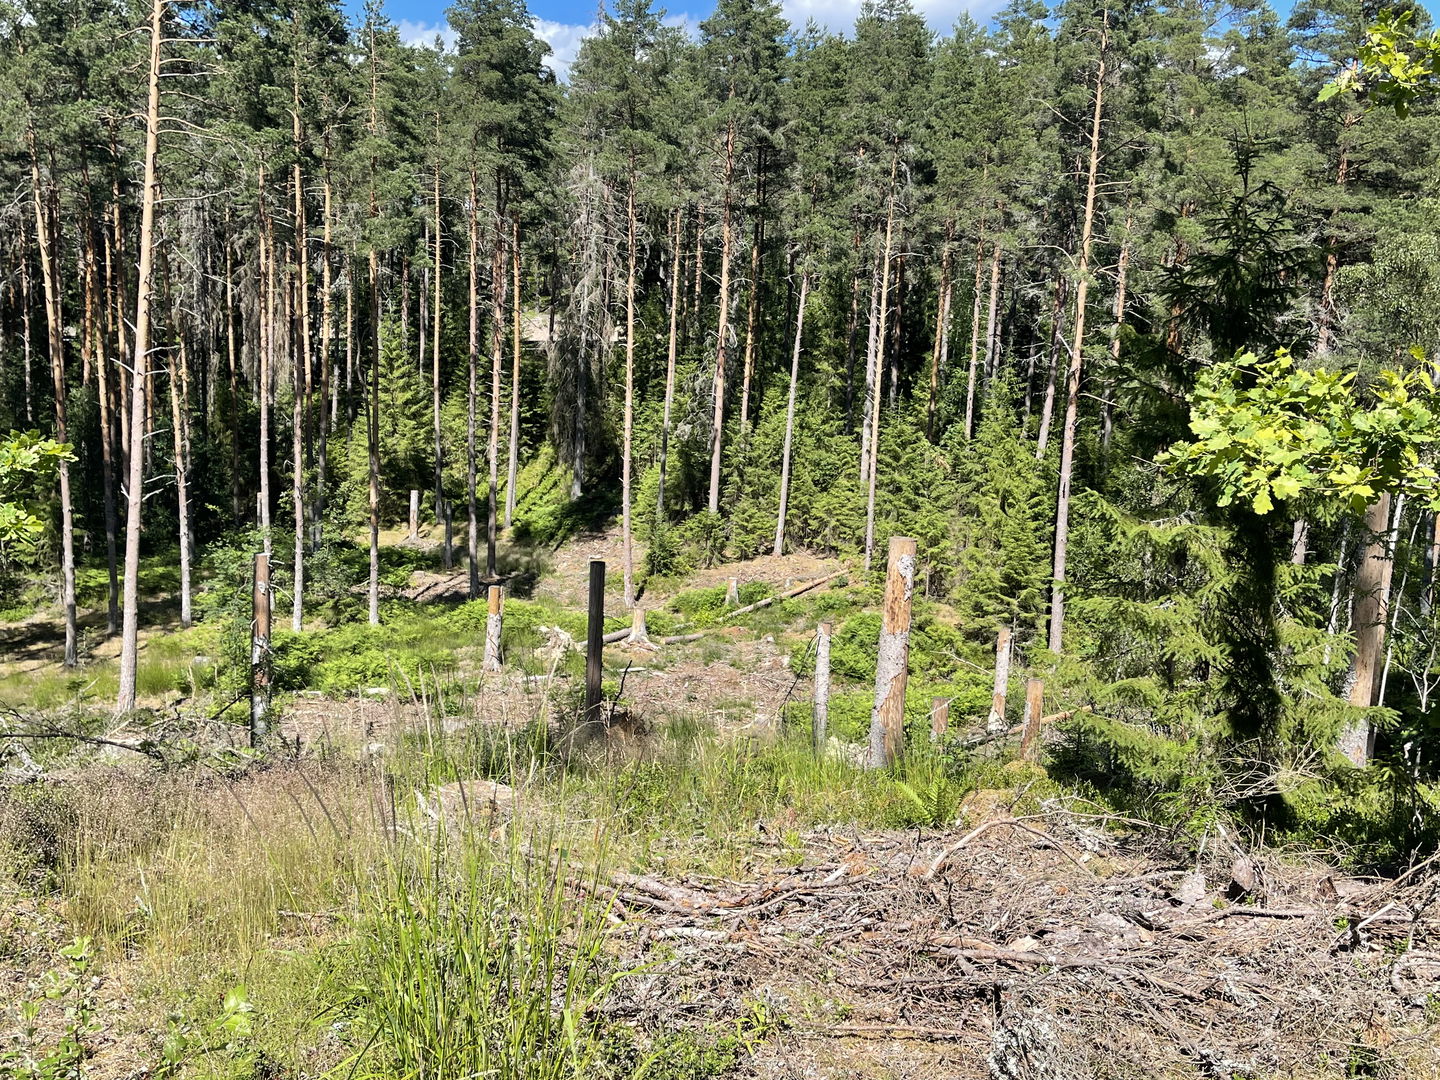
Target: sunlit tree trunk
[[1072, 375], [974, 372], [512, 470], [722, 333], [627, 541], [135, 491], [55, 330]]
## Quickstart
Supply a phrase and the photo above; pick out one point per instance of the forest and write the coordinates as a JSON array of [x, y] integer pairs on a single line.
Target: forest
[[1116, 320]]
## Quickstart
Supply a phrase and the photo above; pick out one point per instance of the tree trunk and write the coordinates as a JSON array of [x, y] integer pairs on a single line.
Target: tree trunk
[[135, 491], [329, 396], [939, 356], [872, 349], [265, 312], [970, 378], [879, 352], [512, 471], [1370, 588], [785, 453], [435, 350], [1121, 277], [992, 320], [179, 403], [55, 330], [752, 317], [107, 478], [1047, 409], [498, 283], [27, 360], [301, 346], [1072, 375], [670, 358], [820, 715], [372, 442], [471, 468], [995, 722], [887, 717], [717, 437], [628, 429]]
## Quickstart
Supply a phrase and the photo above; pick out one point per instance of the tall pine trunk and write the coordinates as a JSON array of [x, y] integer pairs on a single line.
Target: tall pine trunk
[[628, 556], [135, 490], [372, 442], [180, 439], [329, 394], [940, 354], [435, 314], [55, 330], [879, 352], [301, 347], [1047, 408], [722, 344], [107, 477], [512, 469], [498, 279], [992, 320], [265, 310], [471, 468], [1072, 375], [974, 371], [752, 318]]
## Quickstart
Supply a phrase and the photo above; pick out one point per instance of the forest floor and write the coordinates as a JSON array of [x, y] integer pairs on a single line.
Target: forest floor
[[757, 912]]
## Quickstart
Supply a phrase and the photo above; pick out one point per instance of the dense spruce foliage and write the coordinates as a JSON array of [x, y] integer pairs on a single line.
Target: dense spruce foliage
[[763, 289]]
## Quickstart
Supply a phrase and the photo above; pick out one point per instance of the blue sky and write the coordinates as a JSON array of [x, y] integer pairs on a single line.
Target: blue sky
[[563, 23]]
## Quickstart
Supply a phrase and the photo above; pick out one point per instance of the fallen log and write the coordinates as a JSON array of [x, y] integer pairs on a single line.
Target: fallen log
[[788, 594]]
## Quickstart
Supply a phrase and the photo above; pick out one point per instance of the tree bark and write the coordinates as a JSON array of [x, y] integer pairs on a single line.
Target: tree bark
[[135, 493], [1370, 609], [820, 715], [1072, 375], [887, 717]]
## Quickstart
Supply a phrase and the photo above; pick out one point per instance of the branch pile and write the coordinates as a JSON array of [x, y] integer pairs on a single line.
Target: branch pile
[[1048, 947]]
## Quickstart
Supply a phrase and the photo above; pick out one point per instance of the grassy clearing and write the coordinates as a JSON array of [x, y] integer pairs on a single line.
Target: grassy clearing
[[306, 919]]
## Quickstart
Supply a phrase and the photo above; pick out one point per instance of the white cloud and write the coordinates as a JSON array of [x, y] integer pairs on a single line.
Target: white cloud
[[564, 41], [424, 33]]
